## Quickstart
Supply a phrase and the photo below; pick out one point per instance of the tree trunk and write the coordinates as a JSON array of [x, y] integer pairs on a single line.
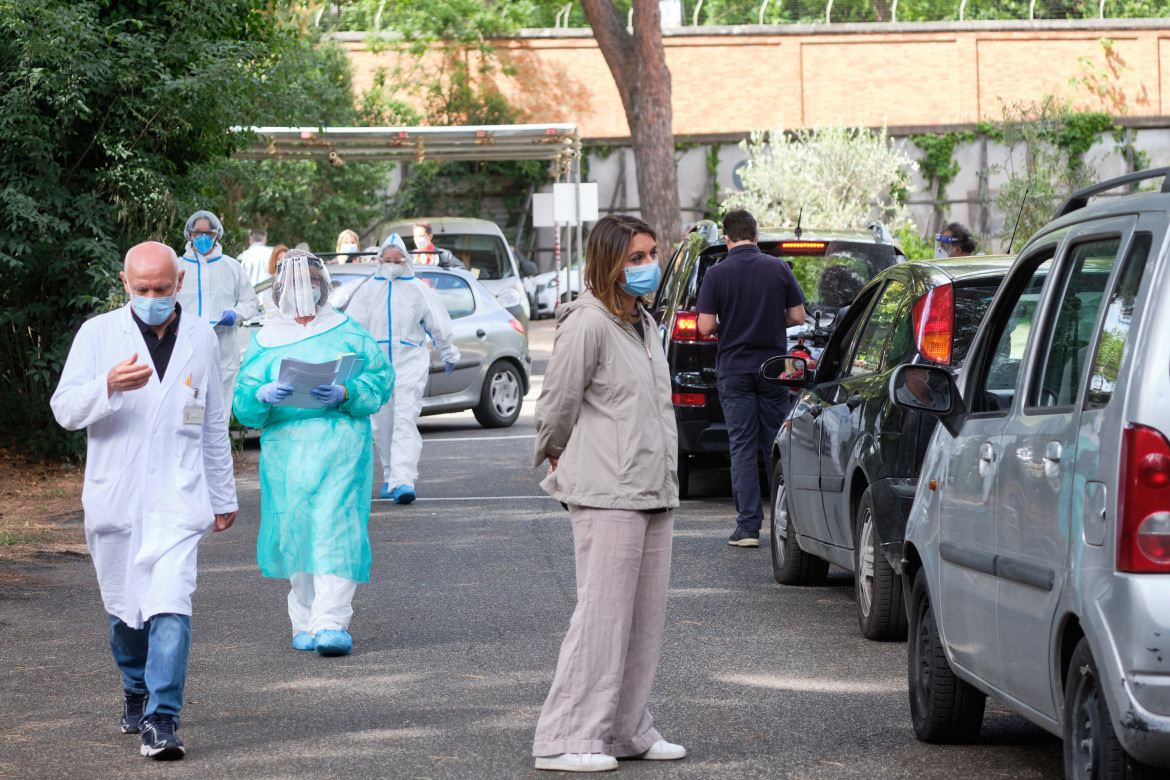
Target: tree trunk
[[638, 64], [881, 9]]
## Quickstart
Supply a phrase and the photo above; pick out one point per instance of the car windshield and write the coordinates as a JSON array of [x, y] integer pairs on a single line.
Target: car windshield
[[482, 254]]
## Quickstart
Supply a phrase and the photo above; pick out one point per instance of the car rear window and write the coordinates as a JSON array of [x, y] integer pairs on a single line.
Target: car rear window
[[971, 302], [454, 293], [482, 253]]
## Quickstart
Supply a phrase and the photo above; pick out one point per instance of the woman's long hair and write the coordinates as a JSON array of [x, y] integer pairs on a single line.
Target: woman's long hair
[[605, 258], [277, 251]]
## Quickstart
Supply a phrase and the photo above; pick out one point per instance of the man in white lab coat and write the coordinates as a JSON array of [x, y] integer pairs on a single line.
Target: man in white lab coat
[[217, 291], [144, 382]]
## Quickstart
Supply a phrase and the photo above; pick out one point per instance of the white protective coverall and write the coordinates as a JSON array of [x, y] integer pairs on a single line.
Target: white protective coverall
[[153, 484], [214, 284], [400, 311]]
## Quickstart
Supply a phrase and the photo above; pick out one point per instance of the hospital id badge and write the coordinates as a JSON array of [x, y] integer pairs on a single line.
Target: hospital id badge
[[194, 410]]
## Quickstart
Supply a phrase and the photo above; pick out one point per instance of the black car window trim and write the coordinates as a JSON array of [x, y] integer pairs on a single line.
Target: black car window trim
[[1018, 278], [1052, 302]]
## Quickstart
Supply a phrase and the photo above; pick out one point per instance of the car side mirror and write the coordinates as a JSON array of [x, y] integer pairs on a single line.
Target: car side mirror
[[929, 389], [787, 371], [527, 268]]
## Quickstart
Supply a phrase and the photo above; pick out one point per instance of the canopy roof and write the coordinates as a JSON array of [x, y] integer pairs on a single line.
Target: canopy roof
[[557, 143]]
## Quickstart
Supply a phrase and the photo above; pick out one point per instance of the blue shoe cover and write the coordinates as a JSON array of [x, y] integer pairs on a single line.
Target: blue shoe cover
[[403, 494], [385, 492], [303, 641], [333, 642]]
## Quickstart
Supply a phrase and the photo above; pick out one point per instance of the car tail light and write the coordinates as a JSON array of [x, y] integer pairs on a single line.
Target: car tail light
[[686, 328], [934, 324], [1143, 538], [802, 247], [515, 323], [688, 399]]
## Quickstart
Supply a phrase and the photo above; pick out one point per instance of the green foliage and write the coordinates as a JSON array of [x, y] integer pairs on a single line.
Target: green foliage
[[914, 246], [106, 108], [939, 167]]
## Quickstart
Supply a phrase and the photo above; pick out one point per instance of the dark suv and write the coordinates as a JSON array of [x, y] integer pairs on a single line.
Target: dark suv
[[831, 268]]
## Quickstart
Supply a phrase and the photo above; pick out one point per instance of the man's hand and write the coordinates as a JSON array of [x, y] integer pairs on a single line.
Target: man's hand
[[224, 521], [552, 464], [708, 324], [127, 375]]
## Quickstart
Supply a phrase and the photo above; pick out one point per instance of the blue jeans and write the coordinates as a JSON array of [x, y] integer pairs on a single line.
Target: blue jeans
[[153, 660], [753, 409]]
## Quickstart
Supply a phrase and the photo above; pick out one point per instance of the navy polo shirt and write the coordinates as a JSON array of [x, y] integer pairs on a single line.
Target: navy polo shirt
[[750, 292]]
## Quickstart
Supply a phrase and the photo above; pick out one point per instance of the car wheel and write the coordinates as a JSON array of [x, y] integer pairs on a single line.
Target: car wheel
[[880, 611], [684, 475], [944, 709], [790, 564], [1091, 748], [501, 396]]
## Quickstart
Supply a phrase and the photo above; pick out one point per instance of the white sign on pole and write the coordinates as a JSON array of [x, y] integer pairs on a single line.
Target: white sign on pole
[[543, 214], [565, 202]]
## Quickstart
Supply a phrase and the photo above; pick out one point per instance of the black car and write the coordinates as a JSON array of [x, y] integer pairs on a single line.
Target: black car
[[831, 268], [846, 461]]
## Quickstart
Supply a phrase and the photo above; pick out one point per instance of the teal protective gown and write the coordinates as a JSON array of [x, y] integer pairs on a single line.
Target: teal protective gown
[[316, 465]]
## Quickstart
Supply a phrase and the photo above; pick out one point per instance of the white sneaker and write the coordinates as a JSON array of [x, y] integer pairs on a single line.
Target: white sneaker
[[580, 762], [663, 751]]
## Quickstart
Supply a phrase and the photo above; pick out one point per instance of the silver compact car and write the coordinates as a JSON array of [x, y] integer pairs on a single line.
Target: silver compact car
[[1037, 553], [492, 375]]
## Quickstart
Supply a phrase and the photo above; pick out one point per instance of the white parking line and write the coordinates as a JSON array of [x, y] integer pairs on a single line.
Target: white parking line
[[472, 498], [485, 438]]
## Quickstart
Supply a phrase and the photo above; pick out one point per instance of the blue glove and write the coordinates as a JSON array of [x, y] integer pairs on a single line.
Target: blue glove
[[228, 318], [450, 366], [330, 395], [273, 393]]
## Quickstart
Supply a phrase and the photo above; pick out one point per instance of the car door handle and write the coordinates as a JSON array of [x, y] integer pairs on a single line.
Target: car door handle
[[481, 333], [987, 452], [815, 412], [1053, 451], [853, 401]]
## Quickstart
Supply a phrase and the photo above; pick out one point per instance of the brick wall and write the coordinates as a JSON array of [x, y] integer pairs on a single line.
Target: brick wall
[[734, 80]]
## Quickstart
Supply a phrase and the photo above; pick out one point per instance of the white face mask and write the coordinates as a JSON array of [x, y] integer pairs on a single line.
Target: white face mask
[[394, 270], [348, 248], [940, 253]]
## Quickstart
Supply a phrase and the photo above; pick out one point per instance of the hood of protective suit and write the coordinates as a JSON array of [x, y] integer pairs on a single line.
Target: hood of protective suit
[[301, 286], [394, 270]]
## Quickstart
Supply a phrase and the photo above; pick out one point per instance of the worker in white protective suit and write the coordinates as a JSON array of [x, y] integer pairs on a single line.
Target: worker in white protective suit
[[144, 382], [401, 311], [217, 291]]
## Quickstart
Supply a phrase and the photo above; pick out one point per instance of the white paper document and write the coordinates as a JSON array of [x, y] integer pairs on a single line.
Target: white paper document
[[305, 376]]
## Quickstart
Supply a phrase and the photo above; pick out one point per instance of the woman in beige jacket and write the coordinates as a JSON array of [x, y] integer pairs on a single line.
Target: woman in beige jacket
[[605, 424]]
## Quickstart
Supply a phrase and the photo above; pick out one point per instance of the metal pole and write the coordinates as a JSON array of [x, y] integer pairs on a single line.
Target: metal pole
[[763, 7], [695, 18], [829, 11], [580, 227], [894, 12]]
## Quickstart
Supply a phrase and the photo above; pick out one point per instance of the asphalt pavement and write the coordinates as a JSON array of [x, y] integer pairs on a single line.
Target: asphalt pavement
[[456, 643]]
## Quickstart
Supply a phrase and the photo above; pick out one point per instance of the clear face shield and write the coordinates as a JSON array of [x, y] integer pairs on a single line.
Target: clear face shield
[[301, 285]]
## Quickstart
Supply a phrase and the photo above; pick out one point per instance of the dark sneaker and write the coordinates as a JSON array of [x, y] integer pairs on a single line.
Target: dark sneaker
[[742, 538], [132, 709], [159, 740]]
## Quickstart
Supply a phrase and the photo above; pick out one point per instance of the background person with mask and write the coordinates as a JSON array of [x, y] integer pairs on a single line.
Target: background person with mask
[[401, 312], [217, 291], [347, 241], [954, 241], [428, 253], [158, 476], [316, 465]]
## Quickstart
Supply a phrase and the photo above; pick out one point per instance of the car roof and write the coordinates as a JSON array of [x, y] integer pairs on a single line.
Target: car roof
[[1125, 204], [959, 268], [369, 268], [452, 225]]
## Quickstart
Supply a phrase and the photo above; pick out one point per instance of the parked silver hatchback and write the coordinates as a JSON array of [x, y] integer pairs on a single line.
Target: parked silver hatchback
[[1037, 553]]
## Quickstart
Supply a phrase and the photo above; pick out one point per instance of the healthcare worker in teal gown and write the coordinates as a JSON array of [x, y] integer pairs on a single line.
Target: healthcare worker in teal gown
[[316, 465]]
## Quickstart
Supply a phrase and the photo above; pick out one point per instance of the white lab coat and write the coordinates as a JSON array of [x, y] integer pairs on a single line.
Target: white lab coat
[[254, 261], [213, 284], [152, 483], [401, 315]]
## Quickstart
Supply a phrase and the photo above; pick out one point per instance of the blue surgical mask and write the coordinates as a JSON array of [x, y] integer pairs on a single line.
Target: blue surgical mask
[[642, 279], [203, 244], [153, 311]]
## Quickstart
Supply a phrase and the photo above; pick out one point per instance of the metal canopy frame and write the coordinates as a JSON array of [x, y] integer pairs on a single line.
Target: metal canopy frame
[[558, 143]]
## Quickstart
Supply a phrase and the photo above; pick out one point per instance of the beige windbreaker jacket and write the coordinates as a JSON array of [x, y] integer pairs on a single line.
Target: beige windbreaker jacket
[[605, 411]]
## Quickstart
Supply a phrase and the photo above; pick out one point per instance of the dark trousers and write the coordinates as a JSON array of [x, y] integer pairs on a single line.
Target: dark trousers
[[753, 409]]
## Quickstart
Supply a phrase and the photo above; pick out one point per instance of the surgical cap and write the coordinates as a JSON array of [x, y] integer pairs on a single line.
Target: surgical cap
[[216, 225], [395, 240], [301, 285]]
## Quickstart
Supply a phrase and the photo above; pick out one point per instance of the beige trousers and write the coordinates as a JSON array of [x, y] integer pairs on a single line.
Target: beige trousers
[[598, 699]]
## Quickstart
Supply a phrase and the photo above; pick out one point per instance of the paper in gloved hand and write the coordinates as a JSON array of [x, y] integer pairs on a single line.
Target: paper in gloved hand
[[305, 376]]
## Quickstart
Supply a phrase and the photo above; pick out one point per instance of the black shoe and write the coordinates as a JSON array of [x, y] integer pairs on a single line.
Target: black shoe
[[159, 740], [742, 538], [132, 709]]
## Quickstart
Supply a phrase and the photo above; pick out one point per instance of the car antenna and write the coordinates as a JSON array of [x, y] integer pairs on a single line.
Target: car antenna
[[1019, 214], [798, 231]]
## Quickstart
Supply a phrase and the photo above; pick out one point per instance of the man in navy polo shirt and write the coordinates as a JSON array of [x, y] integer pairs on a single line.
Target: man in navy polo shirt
[[756, 298]]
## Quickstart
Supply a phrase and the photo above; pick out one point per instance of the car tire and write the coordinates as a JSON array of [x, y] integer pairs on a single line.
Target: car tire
[[1092, 750], [790, 564], [684, 475], [943, 708], [881, 613], [501, 397]]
